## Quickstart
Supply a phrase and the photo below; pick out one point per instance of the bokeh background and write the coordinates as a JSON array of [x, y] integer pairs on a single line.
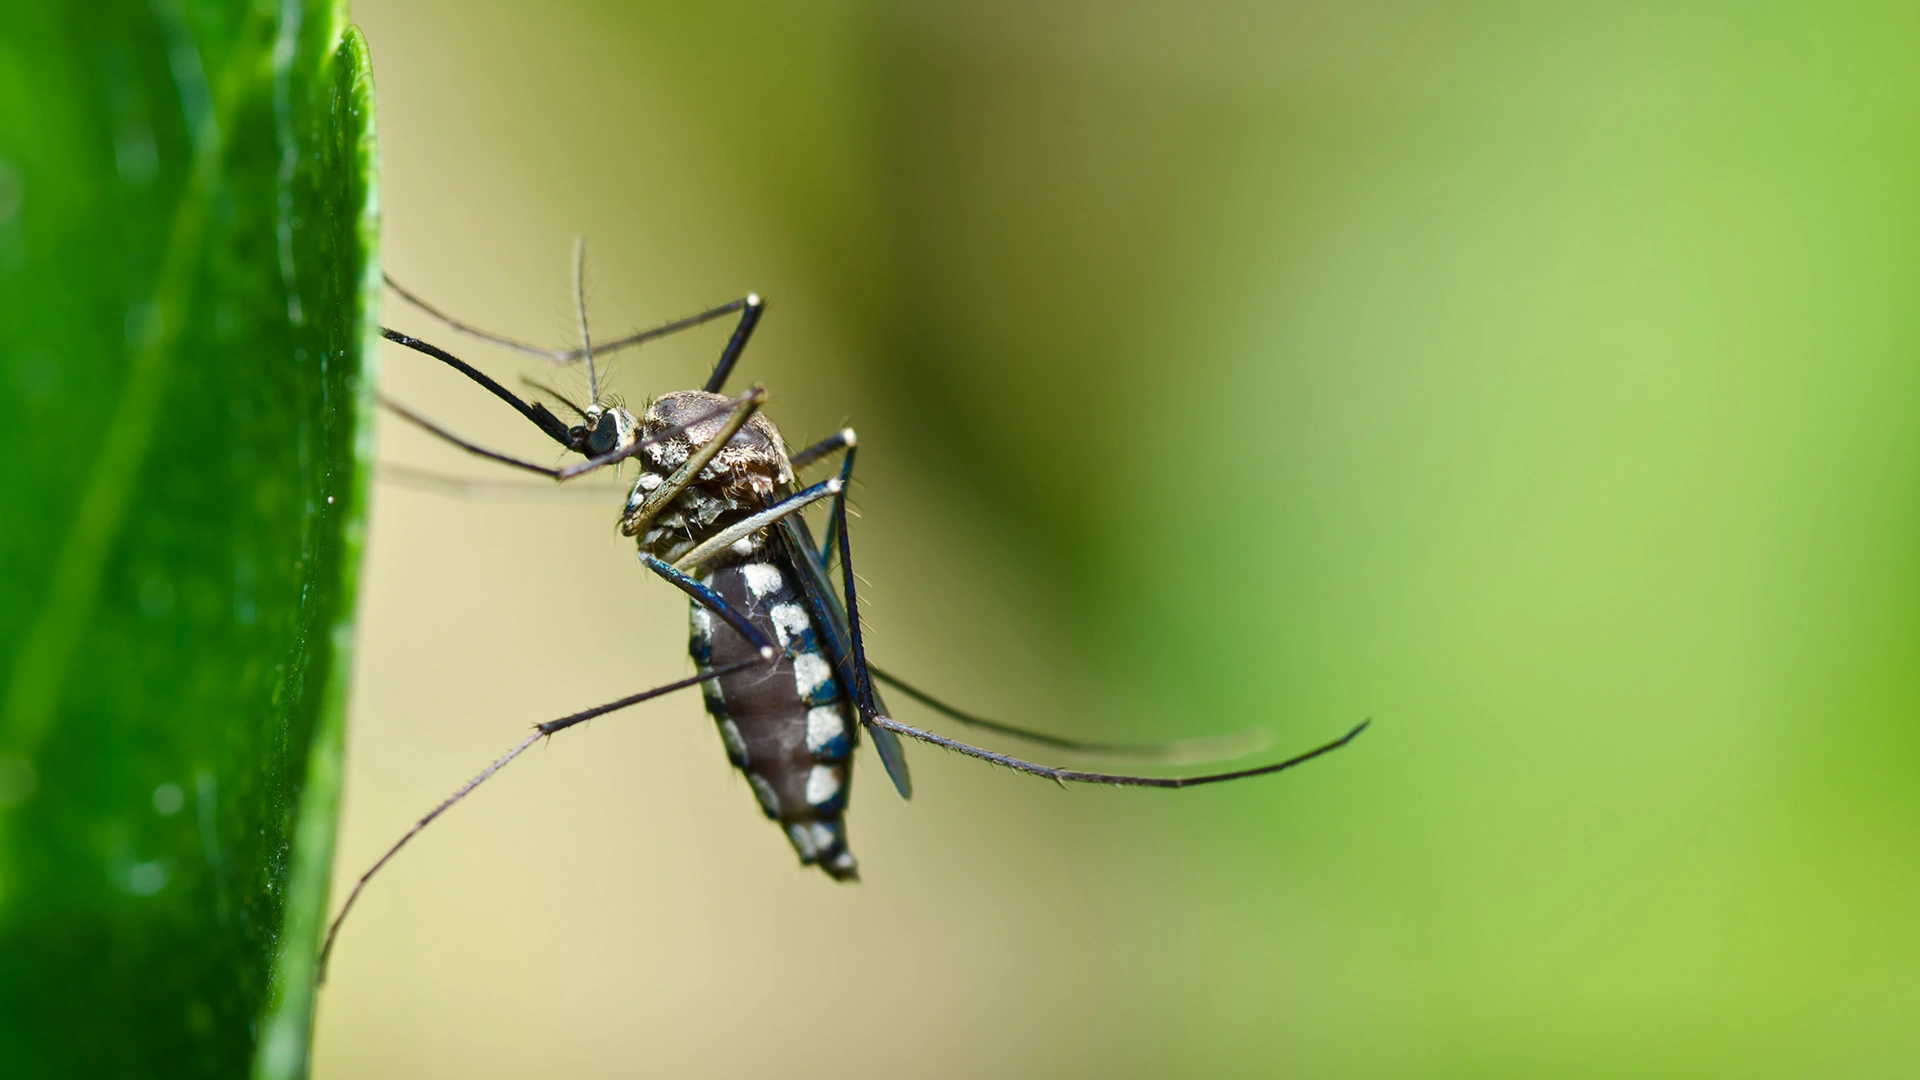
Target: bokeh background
[[1539, 380]]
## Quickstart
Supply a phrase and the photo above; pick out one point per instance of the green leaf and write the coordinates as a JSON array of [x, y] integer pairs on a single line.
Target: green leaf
[[187, 291]]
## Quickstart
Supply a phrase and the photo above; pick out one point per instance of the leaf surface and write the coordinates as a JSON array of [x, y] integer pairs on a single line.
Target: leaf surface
[[187, 290]]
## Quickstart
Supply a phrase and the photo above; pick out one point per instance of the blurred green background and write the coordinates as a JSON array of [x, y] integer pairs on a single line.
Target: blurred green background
[[1537, 379]]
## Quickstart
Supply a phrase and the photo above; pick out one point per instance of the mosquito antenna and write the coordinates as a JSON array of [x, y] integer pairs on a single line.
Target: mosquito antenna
[[580, 309]]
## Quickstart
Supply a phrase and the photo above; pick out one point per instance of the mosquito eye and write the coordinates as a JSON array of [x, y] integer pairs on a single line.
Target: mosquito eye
[[605, 433]]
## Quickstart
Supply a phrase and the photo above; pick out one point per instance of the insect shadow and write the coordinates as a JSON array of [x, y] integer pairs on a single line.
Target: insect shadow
[[779, 653]]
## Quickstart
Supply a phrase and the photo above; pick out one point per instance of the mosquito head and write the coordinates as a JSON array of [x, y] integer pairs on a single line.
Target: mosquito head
[[754, 462], [605, 428]]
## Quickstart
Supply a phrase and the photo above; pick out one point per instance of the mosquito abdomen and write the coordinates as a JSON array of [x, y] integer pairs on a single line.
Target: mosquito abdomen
[[786, 725]]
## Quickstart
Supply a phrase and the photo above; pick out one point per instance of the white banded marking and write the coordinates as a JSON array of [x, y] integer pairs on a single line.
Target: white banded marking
[[789, 622], [763, 579], [810, 669], [826, 728], [823, 785]]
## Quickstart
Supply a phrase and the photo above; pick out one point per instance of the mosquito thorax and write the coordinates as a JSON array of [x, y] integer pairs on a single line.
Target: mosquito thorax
[[752, 465], [748, 471]]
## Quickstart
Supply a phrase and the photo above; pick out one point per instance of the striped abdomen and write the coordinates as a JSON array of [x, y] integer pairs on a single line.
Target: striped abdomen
[[786, 725]]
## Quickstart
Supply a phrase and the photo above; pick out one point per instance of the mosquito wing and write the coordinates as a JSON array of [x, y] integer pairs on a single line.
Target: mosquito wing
[[832, 619]]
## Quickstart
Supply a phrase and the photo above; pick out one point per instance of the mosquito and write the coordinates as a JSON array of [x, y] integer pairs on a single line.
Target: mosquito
[[779, 655]]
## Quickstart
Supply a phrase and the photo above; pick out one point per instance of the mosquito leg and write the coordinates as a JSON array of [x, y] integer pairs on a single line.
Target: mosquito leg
[[555, 355], [870, 714], [840, 502], [540, 731], [1181, 752], [476, 449], [832, 443], [468, 487], [563, 356], [1064, 776], [748, 305], [713, 602], [844, 439], [742, 330], [747, 526]]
